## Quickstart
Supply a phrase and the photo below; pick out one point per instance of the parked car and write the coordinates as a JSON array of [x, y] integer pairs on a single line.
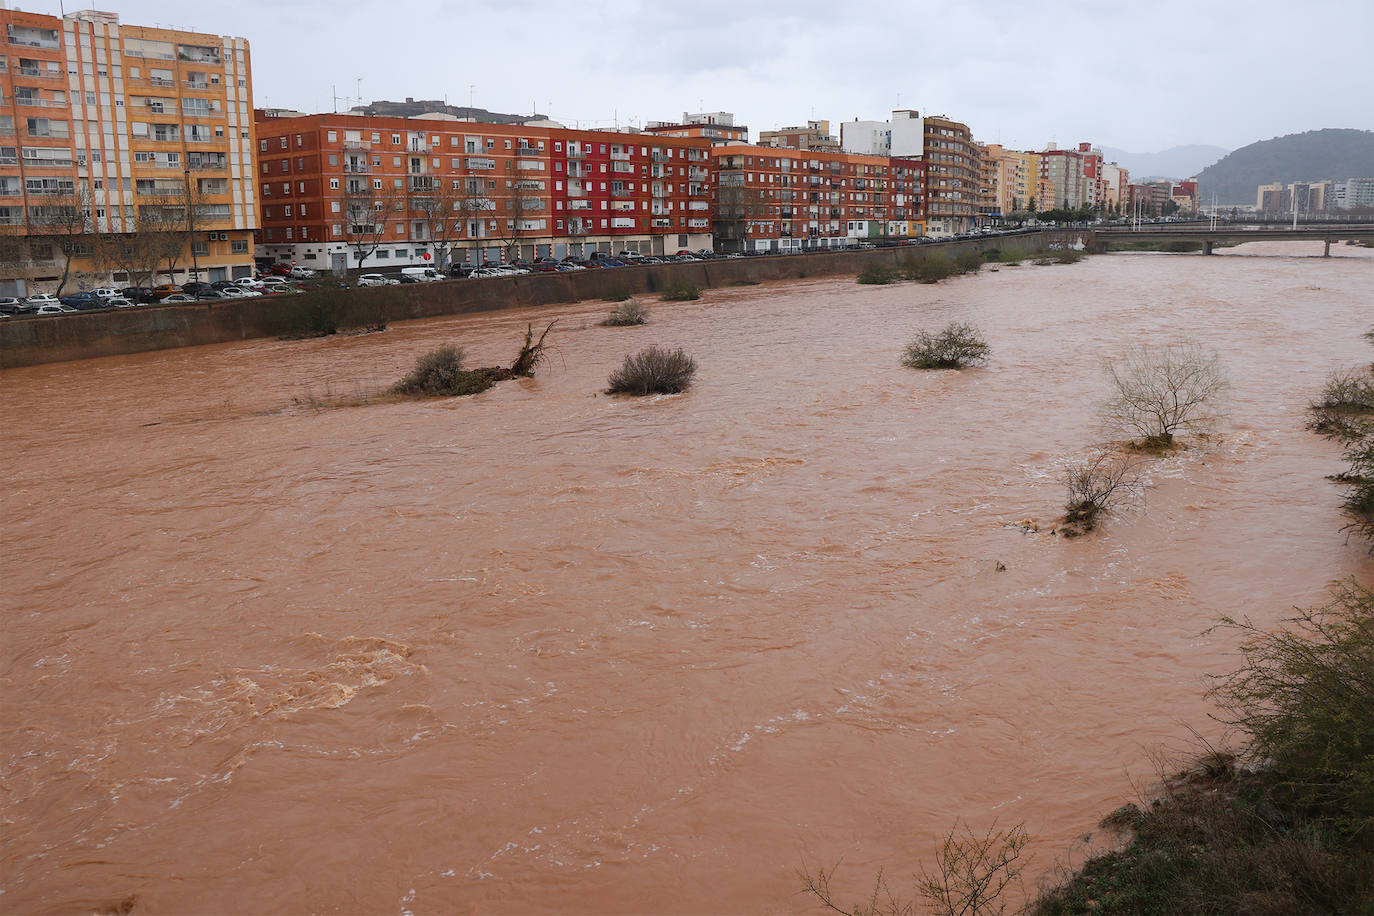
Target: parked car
[[139, 294], [249, 283], [376, 280], [272, 282], [482, 272], [207, 293], [119, 302], [179, 297], [41, 299], [301, 273], [56, 308], [105, 292], [280, 270], [238, 292], [166, 289], [9, 305], [423, 274]]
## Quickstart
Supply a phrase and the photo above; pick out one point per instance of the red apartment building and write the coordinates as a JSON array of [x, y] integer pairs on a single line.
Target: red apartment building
[[779, 199], [357, 192]]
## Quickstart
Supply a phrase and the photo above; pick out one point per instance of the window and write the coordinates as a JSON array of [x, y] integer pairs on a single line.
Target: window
[[200, 249], [376, 184], [333, 206], [239, 246], [262, 145], [395, 139], [333, 136], [283, 143], [333, 184], [376, 137]]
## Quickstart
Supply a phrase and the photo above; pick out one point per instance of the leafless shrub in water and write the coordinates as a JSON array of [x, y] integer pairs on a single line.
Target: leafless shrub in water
[[1158, 391]]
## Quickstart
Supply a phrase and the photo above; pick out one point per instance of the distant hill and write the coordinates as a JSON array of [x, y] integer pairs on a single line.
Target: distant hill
[[1177, 162], [1312, 156]]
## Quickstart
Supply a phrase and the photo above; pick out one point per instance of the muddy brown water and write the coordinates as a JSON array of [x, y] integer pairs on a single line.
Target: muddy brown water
[[548, 651]]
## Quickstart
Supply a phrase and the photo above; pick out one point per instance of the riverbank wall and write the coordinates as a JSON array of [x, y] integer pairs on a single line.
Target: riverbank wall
[[32, 340]]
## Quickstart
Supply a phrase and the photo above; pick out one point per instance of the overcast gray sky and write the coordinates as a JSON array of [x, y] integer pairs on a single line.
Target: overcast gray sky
[[1136, 76]]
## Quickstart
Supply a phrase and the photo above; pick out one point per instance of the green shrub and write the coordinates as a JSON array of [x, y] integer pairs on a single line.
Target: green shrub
[[1284, 826], [877, 275], [628, 314], [968, 262], [653, 371], [681, 293], [930, 268], [440, 372], [953, 347]]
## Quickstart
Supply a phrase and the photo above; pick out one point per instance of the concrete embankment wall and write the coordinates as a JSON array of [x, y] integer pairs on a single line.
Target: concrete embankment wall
[[27, 341]]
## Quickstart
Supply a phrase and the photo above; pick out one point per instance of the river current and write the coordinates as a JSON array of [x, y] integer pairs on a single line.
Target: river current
[[542, 650]]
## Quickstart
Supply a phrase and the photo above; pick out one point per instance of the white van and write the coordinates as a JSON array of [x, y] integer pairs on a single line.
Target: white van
[[423, 274]]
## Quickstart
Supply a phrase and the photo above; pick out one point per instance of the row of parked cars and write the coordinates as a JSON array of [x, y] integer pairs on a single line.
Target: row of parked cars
[[128, 297]]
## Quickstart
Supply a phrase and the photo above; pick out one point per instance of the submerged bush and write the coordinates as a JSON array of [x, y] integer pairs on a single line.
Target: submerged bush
[[1066, 256], [953, 347], [1096, 484], [627, 315], [1160, 390], [436, 372], [653, 371], [968, 262], [681, 293], [930, 268], [877, 275]]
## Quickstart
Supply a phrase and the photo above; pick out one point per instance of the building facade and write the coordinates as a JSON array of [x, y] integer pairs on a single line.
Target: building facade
[[347, 192], [815, 135], [126, 153], [776, 199]]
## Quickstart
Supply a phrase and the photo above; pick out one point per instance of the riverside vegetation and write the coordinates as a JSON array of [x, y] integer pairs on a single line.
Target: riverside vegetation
[[653, 371], [1278, 819], [937, 266], [440, 372]]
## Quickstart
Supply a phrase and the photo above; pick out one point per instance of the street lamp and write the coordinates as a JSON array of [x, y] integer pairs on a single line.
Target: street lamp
[[191, 228]]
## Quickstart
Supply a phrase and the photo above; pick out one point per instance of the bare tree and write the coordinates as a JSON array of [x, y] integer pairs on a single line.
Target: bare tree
[[366, 210], [64, 223], [136, 253], [524, 198], [1158, 391], [739, 209], [972, 875], [442, 208], [1104, 479]]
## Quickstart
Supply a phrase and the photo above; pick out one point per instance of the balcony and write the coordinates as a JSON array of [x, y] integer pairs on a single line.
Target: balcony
[[528, 151], [357, 168], [696, 174], [36, 102], [576, 153], [622, 192], [356, 144], [480, 163], [620, 156], [657, 156]]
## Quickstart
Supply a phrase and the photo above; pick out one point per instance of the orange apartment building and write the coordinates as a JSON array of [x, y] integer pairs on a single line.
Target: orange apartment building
[[353, 192], [121, 124], [779, 199]]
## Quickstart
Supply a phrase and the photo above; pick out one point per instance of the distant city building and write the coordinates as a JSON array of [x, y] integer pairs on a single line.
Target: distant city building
[[351, 192], [1270, 198], [412, 108], [716, 126], [1349, 193], [778, 199], [115, 137], [814, 136]]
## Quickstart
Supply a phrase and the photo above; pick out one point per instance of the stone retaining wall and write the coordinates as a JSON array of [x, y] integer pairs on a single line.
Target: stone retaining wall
[[27, 341]]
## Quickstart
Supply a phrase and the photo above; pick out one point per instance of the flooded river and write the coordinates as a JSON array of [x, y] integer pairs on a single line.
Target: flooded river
[[547, 651]]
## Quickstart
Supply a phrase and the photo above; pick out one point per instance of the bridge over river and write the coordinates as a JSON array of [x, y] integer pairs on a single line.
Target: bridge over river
[[1224, 233]]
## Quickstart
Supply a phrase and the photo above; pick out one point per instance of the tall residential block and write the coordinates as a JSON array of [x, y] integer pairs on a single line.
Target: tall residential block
[[345, 192], [778, 199], [111, 135]]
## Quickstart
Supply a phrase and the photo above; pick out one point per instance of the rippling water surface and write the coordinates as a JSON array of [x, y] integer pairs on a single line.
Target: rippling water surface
[[543, 650]]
